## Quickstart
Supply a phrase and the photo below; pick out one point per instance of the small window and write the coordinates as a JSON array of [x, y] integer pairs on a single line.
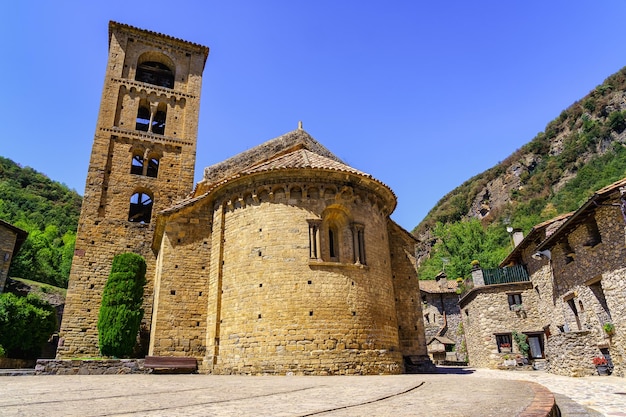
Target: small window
[[140, 208], [153, 168], [333, 247], [515, 301], [504, 342], [567, 251], [136, 167], [593, 234]]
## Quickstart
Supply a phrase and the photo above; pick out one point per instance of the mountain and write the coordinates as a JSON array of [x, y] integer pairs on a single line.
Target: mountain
[[580, 151], [48, 211]]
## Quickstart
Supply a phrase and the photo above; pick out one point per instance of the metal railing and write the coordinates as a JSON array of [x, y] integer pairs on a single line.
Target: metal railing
[[515, 273]]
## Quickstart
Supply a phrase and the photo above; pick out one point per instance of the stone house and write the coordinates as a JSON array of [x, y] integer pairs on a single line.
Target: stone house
[[442, 319], [507, 300], [586, 257], [282, 259], [11, 238], [574, 289]]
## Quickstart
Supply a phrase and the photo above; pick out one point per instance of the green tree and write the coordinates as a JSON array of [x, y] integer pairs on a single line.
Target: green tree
[[120, 312], [461, 242], [47, 210], [25, 324]]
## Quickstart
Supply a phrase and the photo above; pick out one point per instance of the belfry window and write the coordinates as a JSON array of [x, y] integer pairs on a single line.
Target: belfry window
[[143, 116], [158, 121], [136, 166], [155, 73], [151, 117], [141, 165], [153, 167], [140, 208]]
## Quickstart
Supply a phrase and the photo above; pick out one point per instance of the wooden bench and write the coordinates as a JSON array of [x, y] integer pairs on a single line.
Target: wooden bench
[[171, 364]]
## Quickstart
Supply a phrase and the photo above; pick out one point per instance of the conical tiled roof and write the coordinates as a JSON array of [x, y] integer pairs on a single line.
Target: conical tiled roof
[[264, 152], [302, 158]]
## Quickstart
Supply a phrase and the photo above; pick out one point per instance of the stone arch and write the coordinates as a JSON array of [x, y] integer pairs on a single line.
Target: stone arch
[[295, 192], [313, 193], [279, 194], [152, 162], [136, 164], [264, 195], [155, 68]]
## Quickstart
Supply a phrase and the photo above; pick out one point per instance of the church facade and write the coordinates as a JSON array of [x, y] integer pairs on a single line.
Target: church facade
[[283, 259]]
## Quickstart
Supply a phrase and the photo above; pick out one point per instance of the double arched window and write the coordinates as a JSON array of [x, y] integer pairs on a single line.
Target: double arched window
[[151, 117], [336, 238], [146, 164]]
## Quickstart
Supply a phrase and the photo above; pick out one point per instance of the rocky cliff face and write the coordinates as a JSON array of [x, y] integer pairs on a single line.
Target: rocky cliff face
[[539, 170]]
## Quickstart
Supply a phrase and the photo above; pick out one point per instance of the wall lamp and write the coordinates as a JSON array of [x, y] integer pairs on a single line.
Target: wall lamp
[[544, 254]]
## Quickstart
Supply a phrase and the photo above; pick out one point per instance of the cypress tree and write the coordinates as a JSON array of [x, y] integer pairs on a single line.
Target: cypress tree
[[121, 312]]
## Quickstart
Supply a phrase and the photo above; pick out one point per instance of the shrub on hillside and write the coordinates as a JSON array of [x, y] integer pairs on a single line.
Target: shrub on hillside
[[26, 323], [121, 313]]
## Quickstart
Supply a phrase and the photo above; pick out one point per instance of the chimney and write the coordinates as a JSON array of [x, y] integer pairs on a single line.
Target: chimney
[[518, 236]]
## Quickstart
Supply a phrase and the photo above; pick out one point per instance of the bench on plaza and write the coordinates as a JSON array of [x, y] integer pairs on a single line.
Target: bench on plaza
[[171, 364]]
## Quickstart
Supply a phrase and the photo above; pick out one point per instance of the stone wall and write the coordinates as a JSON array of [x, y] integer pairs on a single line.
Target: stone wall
[[276, 309], [90, 367], [571, 353], [485, 313], [433, 307], [406, 288], [181, 286]]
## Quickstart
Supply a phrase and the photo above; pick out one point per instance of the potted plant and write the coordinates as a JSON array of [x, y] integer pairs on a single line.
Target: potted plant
[[522, 344], [505, 347], [517, 307], [609, 328], [602, 365], [508, 361]]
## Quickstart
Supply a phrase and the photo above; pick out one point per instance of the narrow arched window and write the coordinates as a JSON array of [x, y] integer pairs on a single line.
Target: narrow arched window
[[136, 166], [140, 208], [153, 167], [155, 73], [333, 243], [158, 121], [143, 116]]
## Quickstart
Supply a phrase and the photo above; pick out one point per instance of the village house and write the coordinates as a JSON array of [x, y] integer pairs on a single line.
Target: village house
[[445, 338], [11, 238], [562, 287]]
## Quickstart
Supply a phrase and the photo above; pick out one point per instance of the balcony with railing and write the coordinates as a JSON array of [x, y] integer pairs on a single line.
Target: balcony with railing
[[509, 274], [484, 277]]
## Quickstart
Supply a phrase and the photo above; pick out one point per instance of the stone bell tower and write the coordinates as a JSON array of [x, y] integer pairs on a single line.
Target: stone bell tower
[[142, 161]]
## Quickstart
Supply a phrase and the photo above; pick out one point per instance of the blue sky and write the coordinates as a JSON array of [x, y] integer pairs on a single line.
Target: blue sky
[[422, 95]]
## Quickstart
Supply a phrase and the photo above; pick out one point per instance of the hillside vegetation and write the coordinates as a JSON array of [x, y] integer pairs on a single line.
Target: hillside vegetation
[[49, 212], [580, 151]]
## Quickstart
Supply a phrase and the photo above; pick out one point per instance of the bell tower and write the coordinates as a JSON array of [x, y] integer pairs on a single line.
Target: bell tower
[[142, 161]]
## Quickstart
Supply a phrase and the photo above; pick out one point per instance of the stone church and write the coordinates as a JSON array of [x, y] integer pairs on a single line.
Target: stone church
[[281, 259]]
